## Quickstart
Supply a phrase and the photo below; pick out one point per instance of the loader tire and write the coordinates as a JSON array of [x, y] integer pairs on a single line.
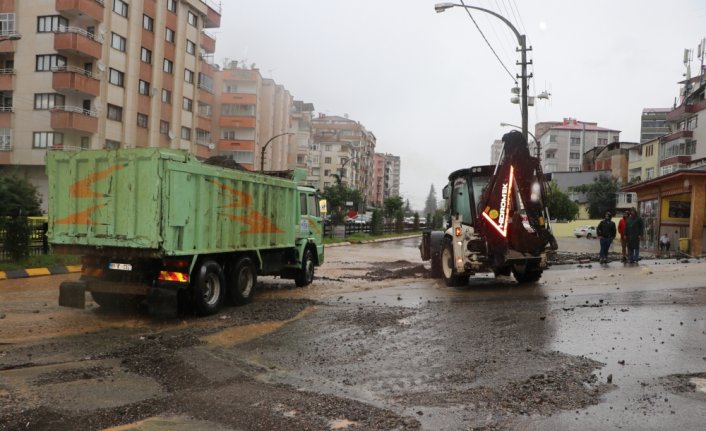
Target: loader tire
[[527, 274], [436, 270]]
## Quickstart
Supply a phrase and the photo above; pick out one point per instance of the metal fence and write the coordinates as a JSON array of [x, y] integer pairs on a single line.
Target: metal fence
[[38, 244], [344, 230]]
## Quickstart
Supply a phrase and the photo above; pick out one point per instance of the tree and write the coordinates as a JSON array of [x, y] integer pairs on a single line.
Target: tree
[[392, 206], [561, 207], [19, 198], [600, 195], [430, 204], [337, 196], [407, 209], [376, 222]]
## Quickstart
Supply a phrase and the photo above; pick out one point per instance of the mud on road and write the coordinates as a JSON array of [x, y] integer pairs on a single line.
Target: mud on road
[[373, 344]]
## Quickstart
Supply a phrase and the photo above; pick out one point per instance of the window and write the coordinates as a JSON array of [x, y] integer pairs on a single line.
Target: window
[[192, 19], [143, 87], [111, 144], [169, 35], [116, 77], [147, 22], [118, 42], [171, 5], [574, 169], [46, 62], [85, 142], [203, 136], [166, 96], [48, 100], [146, 55], [243, 156], [552, 138], [190, 47], [205, 110], [327, 160], [205, 82], [327, 147], [142, 120], [5, 139], [186, 133], [188, 76], [115, 113], [575, 141], [7, 23], [47, 139], [164, 127], [574, 155], [51, 24], [602, 142], [649, 150], [649, 173], [120, 7], [168, 66], [188, 104], [238, 110]]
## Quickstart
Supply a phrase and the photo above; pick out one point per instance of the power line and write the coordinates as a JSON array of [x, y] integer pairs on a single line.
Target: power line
[[489, 45]]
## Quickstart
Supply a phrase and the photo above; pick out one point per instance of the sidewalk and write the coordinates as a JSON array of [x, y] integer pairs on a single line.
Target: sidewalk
[[36, 272]]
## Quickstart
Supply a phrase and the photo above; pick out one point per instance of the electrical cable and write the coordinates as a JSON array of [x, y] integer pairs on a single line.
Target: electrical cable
[[489, 45]]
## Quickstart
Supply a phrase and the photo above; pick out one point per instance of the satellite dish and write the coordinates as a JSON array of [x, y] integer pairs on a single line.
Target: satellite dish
[[98, 104], [101, 29], [211, 146], [100, 66], [171, 135]]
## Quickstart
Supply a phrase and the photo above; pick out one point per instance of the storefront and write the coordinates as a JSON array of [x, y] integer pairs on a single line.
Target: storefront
[[674, 205]]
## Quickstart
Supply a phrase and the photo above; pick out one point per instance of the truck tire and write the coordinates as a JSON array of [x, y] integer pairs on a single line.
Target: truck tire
[[436, 270], [208, 289], [242, 279], [115, 301], [447, 267], [526, 274], [306, 274]]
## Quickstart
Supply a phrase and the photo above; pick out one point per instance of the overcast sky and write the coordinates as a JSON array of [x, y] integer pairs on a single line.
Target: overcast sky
[[431, 90]]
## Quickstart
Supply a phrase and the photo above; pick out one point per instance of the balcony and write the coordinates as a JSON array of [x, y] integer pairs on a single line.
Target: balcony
[[676, 135], [69, 79], [680, 160], [7, 41], [7, 79], [238, 99], [6, 116], [74, 118], [685, 110], [76, 8], [208, 42], [77, 41], [236, 145], [239, 122], [213, 14]]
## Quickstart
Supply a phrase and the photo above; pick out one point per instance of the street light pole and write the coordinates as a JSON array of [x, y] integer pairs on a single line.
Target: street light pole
[[262, 152], [521, 39]]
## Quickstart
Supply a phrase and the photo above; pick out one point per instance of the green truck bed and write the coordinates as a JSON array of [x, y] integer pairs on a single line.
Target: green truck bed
[[165, 202]]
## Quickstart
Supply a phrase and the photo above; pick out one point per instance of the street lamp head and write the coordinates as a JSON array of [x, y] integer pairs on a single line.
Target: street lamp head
[[441, 7]]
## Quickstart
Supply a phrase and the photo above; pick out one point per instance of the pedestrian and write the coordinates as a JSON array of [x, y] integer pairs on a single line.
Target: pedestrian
[[623, 238], [634, 229], [606, 233], [664, 242]]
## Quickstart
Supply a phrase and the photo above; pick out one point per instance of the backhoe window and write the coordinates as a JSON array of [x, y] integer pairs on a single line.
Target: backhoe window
[[461, 199]]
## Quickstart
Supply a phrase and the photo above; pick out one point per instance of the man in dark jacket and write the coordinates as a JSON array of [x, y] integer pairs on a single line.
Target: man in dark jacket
[[606, 233], [634, 229]]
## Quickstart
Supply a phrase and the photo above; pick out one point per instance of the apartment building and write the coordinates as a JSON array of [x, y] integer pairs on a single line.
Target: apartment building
[[344, 148], [253, 113], [496, 149], [94, 74], [563, 144], [302, 114], [653, 123]]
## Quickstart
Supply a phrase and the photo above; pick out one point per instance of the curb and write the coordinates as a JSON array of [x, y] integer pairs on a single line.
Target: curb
[[37, 272]]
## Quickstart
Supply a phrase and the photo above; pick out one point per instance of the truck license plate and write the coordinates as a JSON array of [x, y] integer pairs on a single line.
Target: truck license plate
[[120, 266]]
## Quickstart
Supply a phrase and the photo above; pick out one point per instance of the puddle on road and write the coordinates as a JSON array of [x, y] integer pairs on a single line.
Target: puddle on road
[[340, 424], [242, 334], [168, 424]]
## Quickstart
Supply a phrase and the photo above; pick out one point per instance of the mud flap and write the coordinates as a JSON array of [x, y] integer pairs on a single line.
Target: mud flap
[[163, 303], [72, 294]]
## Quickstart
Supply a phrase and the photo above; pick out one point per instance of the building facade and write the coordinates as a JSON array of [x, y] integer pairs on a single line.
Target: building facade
[[653, 123], [100, 74], [562, 145], [253, 113]]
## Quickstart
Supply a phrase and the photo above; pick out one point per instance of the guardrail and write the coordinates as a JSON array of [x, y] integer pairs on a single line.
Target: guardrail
[[73, 69]]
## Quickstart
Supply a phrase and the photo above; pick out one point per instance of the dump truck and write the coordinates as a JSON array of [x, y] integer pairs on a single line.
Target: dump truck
[[159, 226], [496, 220]]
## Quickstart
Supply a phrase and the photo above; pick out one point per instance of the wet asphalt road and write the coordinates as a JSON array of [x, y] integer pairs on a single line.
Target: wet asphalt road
[[374, 344]]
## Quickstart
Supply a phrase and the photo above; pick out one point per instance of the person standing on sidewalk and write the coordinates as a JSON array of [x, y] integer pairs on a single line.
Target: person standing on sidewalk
[[634, 229], [623, 238], [606, 234]]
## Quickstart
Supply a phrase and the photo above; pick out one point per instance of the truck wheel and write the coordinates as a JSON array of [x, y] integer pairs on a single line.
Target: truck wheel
[[208, 289], [242, 279], [528, 274], [447, 267], [436, 270], [115, 301], [306, 274]]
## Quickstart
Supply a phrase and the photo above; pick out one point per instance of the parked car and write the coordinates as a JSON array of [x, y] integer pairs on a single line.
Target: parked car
[[587, 231]]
